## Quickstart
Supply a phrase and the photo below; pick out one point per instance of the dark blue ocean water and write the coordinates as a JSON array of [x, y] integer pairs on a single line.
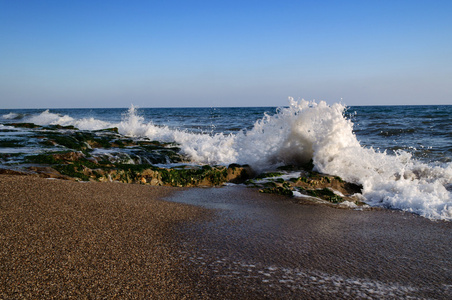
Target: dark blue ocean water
[[424, 131]]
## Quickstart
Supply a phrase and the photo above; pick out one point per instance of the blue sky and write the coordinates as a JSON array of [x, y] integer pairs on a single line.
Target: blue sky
[[63, 54]]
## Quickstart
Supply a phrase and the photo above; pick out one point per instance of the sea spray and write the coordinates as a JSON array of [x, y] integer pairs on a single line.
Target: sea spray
[[294, 135], [201, 148], [48, 118], [318, 131], [322, 133]]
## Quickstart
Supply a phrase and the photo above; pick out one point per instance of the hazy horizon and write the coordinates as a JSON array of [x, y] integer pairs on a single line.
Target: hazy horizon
[[192, 107]]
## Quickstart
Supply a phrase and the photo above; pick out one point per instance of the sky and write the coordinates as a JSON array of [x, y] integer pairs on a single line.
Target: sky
[[75, 54]]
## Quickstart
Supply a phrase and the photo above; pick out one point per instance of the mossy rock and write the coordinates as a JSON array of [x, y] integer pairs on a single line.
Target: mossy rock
[[277, 190], [25, 125], [269, 184], [268, 175], [239, 173], [325, 194], [10, 144], [205, 175], [112, 129], [66, 141], [58, 127], [71, 170], [42, 159]]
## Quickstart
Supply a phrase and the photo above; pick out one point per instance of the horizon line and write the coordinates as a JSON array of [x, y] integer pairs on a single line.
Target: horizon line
[[191, 107]]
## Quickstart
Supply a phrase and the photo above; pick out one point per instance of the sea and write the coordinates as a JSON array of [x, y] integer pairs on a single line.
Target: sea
[[401, 155]]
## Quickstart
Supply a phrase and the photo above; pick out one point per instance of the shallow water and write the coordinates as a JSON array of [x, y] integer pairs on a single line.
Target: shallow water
[[284, 250]]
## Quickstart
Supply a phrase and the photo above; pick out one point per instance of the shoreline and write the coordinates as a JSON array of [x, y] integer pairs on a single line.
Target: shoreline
[[63, 239]]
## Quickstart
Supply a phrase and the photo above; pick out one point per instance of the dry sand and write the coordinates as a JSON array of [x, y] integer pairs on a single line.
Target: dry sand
[[63, 239]]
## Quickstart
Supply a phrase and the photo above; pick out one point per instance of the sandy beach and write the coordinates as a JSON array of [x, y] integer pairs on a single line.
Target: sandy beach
[[65, 239]]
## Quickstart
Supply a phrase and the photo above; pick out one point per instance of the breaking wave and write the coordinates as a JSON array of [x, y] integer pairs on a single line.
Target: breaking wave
[[296, 134]]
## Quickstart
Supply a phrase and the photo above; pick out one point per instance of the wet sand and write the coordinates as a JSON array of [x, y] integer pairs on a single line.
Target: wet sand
[[63, 239], [267, 246]]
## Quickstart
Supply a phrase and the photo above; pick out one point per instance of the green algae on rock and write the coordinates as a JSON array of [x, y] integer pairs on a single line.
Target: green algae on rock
[[311, 184], [106, 155], [78, 165]]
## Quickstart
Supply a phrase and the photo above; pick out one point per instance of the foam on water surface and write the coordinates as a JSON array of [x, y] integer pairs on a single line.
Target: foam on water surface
[[307, 280], [292, 136], [48, 118], [10, 116]]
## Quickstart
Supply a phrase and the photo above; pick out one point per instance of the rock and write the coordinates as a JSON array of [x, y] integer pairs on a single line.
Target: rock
[[316, 181], [48, 172], [69, 156], [12, 172], [311, 184], [25, 125], [239, 174]]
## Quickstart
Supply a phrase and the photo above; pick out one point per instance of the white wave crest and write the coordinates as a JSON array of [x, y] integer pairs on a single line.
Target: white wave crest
[[309, 130], [48, 118], [10, 116], [294, 135]]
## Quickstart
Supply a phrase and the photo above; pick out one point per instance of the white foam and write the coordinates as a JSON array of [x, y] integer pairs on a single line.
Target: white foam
[[48, 118], [294, 135], [300, 195], [348, 204], [10, 116]]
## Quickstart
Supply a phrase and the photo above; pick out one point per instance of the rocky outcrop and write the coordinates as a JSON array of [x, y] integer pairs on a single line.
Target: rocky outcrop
[[309, 184], [78, 165], [106, 155]]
